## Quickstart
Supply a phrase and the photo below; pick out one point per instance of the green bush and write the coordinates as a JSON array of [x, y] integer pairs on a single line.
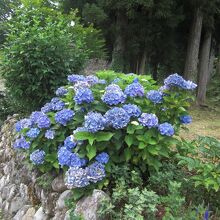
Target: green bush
[[41, 48], [143, 140]]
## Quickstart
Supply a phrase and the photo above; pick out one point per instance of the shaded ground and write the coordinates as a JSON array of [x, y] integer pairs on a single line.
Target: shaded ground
[[206, 122]]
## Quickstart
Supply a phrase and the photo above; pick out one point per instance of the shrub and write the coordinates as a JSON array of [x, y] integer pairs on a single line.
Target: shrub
[[41, 48], [96, 122]]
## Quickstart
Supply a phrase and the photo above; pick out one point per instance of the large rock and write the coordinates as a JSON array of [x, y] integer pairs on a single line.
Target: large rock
[[88, 206], [40, 215], [48, 201], [58, 184], [63, 197], [19, 215], [16, 204], [29, 215]]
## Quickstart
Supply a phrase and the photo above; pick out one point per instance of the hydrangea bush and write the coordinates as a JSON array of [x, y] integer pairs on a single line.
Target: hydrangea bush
[[111, 118]]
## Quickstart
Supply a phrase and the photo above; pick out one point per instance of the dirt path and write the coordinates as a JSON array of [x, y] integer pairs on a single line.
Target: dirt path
[[206, 122]]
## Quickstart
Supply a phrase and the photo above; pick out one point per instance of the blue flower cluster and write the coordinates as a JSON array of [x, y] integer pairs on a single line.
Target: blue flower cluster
[[113, 95], [64, 116], [92, 80], [81, 85], [155, 96], [177, 80], [33, 133], [22, 143], [23, 123], [49, 134], [186, 119], [67, 158], [135, 89], [132, 110], [59, 111], [56, 104], [117, 118], [37, 157], [61, 91], [77, 177], [94, 122], [166, 129], [102, 158], [148, 120], [70, 142], [75, 78], [43, 121], [83, 96]]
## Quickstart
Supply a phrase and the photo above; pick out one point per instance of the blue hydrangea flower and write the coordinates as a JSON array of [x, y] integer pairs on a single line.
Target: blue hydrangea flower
[[132, 110], [79, 129], [148, 120], [76, 177], [35, 115], [21, 143], [102, 158], [75, 78], [186, 119], [46, 108], [81, 85], [43, 121], [94, 122], [95, 172], [23, 123], [177, 80], [113, 95], [75, 160], [70, 142], [61, 91], [102, 81], [117, 118], [83, 162], [134, 90], [92, 80], [189, 85], [83, 96], [49, 134], [166, 129], [33, 133], [174, 80], [164, 88], [64, 116], [37, 157], [64, 156], [155, 96], [116, 80], [57, 104]]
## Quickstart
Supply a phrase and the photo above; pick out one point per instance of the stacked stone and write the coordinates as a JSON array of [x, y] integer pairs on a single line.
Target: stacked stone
[[21, 198]]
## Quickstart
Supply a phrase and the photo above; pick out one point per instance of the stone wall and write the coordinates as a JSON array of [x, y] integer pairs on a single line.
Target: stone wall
[[22, 197]]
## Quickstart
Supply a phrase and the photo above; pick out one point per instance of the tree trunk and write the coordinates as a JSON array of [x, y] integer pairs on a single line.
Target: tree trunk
[[211, 63], [191, 63], [155, 67], [118, 61], [143, 63], [204, 68], [218, 63]]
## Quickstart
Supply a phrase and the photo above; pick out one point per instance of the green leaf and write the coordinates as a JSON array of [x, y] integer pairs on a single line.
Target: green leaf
[[152, 150], [129, 140], [91, 151], [127, 154], [142, 145], [103, 136]]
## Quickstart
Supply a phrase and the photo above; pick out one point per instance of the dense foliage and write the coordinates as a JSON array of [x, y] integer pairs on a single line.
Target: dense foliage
[[97, 122], [41, 47]]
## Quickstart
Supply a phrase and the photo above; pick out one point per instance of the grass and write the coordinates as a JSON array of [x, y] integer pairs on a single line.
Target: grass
[[206, 122]]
